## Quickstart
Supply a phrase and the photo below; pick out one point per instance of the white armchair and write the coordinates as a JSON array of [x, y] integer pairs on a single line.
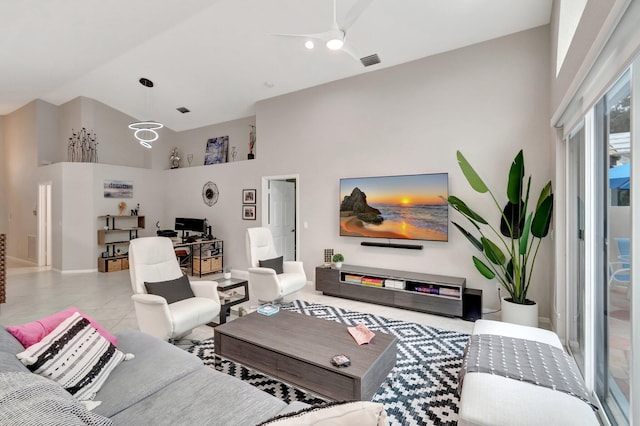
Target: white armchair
[[265, 284], [153, 259]]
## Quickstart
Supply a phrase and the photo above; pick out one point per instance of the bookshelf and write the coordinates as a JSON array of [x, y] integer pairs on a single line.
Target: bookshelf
[[438, 294], [117, 231]]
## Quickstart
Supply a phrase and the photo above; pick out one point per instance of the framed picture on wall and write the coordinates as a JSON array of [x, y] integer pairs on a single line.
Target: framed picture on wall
[[118, 188], [248, 196], [248, 212], [216, 150]]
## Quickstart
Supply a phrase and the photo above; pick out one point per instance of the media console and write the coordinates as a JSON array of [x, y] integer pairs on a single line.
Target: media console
[[437, 294]]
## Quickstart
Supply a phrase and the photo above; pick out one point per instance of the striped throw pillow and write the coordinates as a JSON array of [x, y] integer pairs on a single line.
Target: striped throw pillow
[[76, 356]]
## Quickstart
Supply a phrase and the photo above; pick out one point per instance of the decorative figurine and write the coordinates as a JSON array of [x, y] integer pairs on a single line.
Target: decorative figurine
[[175, 158], [252, 142]]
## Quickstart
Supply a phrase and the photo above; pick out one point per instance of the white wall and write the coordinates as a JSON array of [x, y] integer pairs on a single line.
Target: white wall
[[487, 100], [194, 142], [20, 198], [3, 180], [47, 137], [184, 199], [69, 121], [116, 143], [78, 200]]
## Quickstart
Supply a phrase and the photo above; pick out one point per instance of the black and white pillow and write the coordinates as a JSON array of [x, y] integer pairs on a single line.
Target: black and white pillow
[[76, 356]]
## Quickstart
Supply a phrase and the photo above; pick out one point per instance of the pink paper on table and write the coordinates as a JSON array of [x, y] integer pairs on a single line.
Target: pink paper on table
[[361, 333]]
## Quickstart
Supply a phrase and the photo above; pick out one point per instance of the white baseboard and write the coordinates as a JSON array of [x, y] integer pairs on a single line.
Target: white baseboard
[[77, 271]]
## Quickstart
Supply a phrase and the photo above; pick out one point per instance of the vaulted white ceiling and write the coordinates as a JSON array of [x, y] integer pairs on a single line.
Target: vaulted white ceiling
[[218, 57]]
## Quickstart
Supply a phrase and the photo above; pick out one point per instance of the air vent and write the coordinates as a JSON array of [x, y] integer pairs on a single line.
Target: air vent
[[183, 110], [367, 61]]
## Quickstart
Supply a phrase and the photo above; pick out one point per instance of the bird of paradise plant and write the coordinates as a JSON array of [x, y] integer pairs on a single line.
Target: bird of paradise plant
[[509, 254]]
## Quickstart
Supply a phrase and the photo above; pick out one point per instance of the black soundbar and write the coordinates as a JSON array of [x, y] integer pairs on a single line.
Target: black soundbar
[[392, 245]]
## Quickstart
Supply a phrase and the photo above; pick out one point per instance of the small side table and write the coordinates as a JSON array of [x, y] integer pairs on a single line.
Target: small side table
[[225, 306]]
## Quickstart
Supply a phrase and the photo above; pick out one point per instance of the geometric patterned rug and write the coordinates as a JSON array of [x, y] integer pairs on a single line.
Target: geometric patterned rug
[[420, 390]]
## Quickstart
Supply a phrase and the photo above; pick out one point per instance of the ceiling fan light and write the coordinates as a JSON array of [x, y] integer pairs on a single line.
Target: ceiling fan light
[[335, 44], [309, 44]]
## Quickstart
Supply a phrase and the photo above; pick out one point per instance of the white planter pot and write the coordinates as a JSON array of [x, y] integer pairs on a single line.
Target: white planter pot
[[516, 313], [337, 265], [227, 275]]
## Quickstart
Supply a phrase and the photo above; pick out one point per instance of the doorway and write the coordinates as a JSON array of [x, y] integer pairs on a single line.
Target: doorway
[[280, 198], [44, 224]]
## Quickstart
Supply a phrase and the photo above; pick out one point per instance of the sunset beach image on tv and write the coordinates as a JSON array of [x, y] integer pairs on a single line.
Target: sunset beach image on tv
[[412, 207]]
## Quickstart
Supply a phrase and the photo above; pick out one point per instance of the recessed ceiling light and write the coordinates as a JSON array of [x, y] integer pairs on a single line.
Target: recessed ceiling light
[[309, 44], [183, 110], [268, 84]]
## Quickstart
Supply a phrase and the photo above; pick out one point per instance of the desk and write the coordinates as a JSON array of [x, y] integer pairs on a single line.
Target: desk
[[226, 304], [202, 256]]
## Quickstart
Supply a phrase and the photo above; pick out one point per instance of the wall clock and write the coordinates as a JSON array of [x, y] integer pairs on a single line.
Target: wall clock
[[210, 193]]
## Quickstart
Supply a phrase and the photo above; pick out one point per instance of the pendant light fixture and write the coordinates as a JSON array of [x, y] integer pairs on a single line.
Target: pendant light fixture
[[145, 131]]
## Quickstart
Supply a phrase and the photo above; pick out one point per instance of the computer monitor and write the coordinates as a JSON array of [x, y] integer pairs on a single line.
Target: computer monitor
[[191, 224]]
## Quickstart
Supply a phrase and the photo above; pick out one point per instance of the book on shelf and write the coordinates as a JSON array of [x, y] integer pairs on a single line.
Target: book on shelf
[[428, 289], [452, 292], [353, 279], [377, 282], [394, 284]]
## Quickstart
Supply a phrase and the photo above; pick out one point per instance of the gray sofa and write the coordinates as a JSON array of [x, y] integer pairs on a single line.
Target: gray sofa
[[165, 385]]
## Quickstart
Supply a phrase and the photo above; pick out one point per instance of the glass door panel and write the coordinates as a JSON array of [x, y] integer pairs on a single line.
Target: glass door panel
[[614, 293], [577, 228]]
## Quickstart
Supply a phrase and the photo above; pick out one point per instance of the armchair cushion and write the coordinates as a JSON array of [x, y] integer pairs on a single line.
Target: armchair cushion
[[172, 290], [290, 283], [275, 264]]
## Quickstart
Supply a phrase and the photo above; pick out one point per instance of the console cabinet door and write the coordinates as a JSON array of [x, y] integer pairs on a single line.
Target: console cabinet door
[[327, 280]]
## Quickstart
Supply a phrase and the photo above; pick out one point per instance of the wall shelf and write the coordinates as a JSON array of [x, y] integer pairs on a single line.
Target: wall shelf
[[111, 236]]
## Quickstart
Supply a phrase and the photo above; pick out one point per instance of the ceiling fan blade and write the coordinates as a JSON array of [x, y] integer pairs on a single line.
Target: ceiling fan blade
[[351, 51], [354, 13], [316, 36]]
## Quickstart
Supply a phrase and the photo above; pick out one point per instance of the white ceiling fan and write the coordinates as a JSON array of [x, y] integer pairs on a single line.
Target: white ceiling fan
[[336, 37]]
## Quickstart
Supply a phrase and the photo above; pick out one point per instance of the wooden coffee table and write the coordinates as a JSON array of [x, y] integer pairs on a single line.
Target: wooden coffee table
[[298, 348]]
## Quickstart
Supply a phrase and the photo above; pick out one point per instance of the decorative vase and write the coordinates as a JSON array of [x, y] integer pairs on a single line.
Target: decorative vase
[[337, 265], [517, 313], [227, 275], [250, 156]]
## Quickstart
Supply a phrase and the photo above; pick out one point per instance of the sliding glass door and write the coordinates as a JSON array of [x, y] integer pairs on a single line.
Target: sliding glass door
[[600, 237], [613, 292], [576, 237]]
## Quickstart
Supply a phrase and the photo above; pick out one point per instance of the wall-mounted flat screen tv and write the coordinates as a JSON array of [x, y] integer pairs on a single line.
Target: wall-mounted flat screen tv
[[411, 207]]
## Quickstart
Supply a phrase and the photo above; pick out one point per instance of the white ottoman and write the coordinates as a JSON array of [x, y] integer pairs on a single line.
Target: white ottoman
[[487, 399]]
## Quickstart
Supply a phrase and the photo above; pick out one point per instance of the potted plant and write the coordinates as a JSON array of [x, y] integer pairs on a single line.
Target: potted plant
[[508, 254], [337, 260]]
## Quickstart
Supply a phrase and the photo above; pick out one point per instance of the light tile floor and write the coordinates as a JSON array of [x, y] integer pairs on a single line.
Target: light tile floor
[[34, 292]]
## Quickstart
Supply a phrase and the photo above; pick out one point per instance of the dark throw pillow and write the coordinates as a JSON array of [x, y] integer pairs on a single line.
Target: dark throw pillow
[[275, 264], [172, 290]]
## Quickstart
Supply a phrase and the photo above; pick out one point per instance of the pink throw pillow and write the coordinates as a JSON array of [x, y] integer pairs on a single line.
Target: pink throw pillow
[[31, 333]]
